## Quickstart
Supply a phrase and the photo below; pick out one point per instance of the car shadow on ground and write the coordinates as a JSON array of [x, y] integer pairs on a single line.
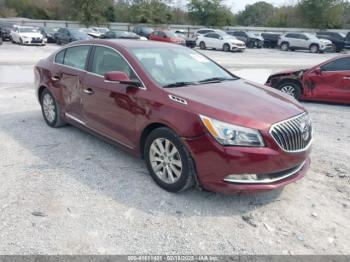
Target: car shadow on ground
[[112, 173]]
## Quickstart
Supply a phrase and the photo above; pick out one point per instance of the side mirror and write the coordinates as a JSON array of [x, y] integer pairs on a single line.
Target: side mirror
[[318, 71], [121, 78], [164, 36], [221, 38]]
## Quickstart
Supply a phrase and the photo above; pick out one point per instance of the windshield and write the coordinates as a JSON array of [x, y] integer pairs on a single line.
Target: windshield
[[78, 32], [103, 30], [50, 30], [27, 30], [170, 34], [168, 66]]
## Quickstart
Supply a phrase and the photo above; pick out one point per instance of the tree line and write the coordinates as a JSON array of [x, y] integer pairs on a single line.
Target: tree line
[[331, 14]]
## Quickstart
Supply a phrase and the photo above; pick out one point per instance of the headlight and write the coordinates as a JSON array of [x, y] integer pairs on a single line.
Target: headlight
[[232, 135]]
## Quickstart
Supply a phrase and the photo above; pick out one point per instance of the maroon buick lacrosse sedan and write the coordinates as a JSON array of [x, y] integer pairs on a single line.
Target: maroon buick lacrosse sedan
[[193, 122]]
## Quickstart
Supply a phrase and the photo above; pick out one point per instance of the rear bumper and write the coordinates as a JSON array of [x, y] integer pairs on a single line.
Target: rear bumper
[[214, 163]]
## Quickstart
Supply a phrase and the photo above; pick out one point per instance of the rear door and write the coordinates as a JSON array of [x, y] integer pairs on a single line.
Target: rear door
[[333, 83], [110, 108], [69, 76]]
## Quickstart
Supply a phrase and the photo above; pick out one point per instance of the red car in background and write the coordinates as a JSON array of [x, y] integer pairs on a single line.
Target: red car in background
[[194, 122], [167, 36], [326, 82]]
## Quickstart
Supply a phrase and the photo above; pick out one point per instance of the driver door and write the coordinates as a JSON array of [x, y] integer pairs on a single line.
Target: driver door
[[110, 108]]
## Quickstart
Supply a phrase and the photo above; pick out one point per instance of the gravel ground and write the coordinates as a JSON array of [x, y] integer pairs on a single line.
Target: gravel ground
[[63, 191]]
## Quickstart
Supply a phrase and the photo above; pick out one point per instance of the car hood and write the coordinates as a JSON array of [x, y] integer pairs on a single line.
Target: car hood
[[236, 41], [31, 35], [290, 72], [325, 41], [240, 102]]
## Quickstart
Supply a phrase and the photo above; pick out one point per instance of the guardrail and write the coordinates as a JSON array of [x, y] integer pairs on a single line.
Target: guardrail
[[128, 27]]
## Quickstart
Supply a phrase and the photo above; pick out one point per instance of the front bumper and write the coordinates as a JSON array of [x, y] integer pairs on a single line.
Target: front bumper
[[238, 47], [28, 41], [215, 163]]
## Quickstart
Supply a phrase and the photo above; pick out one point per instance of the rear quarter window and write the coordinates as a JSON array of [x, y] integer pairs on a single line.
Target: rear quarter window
[[59, 58], [76, 56]]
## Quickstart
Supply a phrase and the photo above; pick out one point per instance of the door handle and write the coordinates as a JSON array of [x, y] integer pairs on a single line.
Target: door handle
[[55, 78], [346, 77], [89, 91]]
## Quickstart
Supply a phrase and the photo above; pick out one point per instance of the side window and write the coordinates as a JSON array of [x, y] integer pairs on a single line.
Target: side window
[[216, 36], [210, 35], [60, 57], [106, 60], [76, 56], [342, 64]]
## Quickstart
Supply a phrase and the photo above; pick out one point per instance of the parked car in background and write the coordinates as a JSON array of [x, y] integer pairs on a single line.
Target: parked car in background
[[0, 37], [143, 30], [221, 41], [347, 41], [27, 35], [67, 35], [121, 35], [328, 82], [166, 36], [202, 31], [6, 29], [270, 39], [230, 144], [190, 42], [304, 41], [337, 39], [48, 33], [250, 39]]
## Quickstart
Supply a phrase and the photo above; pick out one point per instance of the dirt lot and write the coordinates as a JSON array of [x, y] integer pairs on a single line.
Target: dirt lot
[[63, 191]]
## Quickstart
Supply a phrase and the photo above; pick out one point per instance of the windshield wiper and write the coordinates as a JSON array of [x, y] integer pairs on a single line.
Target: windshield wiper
[[216, 80], [179, 84]]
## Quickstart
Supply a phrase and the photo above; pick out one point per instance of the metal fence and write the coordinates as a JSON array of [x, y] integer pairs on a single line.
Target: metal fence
[[128, 27]]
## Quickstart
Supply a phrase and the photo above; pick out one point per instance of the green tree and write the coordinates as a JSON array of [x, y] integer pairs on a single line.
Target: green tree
[[323, 13], [209, 13], [151, 11], [256, 14], [89, 12]]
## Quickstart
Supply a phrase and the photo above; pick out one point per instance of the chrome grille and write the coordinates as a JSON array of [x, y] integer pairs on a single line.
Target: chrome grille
[[294, 134]]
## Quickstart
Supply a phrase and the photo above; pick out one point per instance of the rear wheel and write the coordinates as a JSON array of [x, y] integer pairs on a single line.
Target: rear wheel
[[226, 48], [202, 45], [168, 161], [290, 88], [51, 110], [314, 49]]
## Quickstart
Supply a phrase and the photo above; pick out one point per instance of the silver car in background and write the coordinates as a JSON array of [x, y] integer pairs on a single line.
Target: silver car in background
[[304, 41]]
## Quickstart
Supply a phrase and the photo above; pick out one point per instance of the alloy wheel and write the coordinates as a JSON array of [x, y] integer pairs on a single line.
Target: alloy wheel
[[165, 160], [49, 108], [290, 90]]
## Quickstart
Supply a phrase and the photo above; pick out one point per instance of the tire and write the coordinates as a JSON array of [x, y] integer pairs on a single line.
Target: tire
[[334, 48], [160, 163], [291, 88], [21, 41], [314, 48], [202, 45], [226, 48], [251, 44], [284, 46], [49, 103], [58, 42]]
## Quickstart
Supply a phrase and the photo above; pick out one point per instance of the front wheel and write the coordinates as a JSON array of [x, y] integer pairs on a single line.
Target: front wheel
[[51, 110], [226, 48], [284, 46], [314, 49], [291, 88], [202, 45], [168, 161]]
